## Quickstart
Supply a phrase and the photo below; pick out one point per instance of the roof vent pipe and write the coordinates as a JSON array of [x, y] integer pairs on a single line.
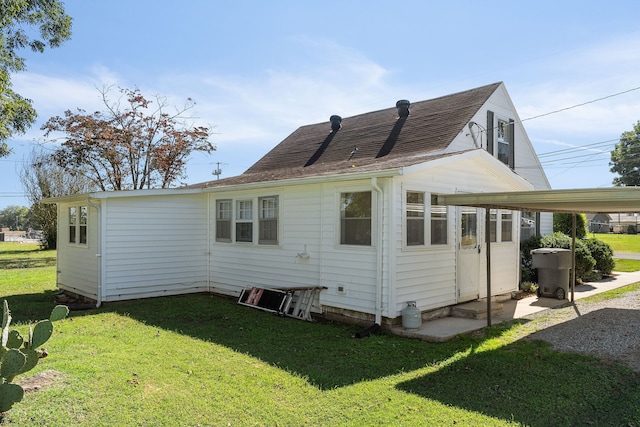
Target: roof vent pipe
[[403, 108], [335, 123]]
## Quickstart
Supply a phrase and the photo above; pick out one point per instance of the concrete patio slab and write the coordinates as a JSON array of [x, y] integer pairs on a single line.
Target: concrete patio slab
[[446, 328]]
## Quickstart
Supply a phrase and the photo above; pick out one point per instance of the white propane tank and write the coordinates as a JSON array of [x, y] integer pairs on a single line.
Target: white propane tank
[[411, 316]]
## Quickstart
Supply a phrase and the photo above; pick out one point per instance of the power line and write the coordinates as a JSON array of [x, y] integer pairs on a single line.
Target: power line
[[581, 105], [577, 148]]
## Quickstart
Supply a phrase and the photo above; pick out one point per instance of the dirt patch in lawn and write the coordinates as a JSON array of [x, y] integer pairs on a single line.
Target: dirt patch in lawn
[[40, 381]]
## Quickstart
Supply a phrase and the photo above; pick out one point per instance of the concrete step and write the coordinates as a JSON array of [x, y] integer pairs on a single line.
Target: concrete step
[[475, 310]]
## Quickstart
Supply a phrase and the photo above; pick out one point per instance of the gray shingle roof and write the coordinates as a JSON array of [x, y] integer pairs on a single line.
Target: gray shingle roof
[[378, 140]]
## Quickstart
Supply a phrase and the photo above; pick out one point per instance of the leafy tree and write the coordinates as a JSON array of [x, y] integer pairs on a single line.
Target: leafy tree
[[625, 158], [14, 217], [17, 21], [41, 178], [563, 222], [131, 146]]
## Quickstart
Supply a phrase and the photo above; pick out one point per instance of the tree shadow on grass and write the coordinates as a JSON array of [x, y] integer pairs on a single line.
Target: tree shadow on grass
[[29, 308], [531, 384], [326, 354], [27, 262]]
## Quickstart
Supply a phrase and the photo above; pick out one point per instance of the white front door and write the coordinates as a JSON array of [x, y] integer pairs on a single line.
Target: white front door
[[469, 253]]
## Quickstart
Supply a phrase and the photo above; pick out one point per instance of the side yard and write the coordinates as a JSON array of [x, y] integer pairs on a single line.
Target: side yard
[[204, 360]]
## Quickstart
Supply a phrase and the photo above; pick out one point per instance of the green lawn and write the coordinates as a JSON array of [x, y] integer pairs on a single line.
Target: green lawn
[[202, 360], [626, 265], [620, 242]]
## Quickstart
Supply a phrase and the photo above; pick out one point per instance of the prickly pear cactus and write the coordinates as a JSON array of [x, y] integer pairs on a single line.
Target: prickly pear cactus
[[18, 356]]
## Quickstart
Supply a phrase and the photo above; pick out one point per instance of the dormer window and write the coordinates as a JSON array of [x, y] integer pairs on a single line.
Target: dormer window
[[503, 139], [500, 138]]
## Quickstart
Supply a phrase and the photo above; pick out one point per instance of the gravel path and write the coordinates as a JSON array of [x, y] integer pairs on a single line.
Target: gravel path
[[608, 329]]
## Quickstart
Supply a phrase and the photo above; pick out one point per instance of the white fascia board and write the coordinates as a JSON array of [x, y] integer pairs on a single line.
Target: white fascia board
[[493, 165], [122, 194]]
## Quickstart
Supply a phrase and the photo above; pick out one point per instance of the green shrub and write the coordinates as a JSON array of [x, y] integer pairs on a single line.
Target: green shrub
[[527, 272], [602, 253], [528, 286], [563, 223]]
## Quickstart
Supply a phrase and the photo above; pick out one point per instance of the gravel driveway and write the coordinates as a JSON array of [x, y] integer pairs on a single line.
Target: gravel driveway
[[609, 329]]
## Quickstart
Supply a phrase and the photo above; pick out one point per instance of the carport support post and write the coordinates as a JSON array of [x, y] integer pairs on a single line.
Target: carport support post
[[487, 239], [573, 256]]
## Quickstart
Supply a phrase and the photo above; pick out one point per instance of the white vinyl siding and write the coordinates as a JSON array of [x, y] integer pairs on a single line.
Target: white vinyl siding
[[428, 276], [308, 221], [155, 246], [78, 265]]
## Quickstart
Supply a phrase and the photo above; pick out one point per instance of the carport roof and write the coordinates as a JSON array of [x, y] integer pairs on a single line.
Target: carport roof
[[581, 200]]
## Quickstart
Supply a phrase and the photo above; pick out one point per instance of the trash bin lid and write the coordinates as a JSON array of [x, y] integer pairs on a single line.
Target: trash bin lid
[[549, 250]]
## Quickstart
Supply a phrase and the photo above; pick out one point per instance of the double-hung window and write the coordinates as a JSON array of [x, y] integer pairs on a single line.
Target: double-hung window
[[223, 220], [355, 218], [439, 224], [244, 221], [415, 218], [507, 226], [503, 141], [417, 233], [268, 220], [78, 222], [238, 219]]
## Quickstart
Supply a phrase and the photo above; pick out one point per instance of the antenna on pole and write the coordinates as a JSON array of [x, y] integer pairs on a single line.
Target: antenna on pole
[[217, 171]]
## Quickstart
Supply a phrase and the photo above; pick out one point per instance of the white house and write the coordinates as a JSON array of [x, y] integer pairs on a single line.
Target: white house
[[345, 204]]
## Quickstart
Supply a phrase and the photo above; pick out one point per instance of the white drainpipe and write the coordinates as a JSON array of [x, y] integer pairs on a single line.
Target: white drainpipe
[[99, 254], [379, 248]]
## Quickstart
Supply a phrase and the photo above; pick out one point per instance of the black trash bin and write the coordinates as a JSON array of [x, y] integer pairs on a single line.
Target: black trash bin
[[554, 268]]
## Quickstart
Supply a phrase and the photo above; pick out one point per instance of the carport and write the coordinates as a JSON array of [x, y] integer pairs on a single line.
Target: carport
[[573, 201]]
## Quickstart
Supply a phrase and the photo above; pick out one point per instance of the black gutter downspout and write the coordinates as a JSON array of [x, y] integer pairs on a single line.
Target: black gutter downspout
[[487, 238]]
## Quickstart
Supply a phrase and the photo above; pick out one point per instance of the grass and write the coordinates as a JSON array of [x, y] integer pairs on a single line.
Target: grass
[[620, 242], [204, 360], [626, 265]]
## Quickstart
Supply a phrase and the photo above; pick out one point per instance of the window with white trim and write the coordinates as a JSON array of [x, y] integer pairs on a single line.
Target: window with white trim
[[504, 141], [237, 220], [439, 224], [355, 218], [268, 220], [506, 228], [415, 218], [505, 220], [223, 220], [78, 223], [417, 213], [244, 221]]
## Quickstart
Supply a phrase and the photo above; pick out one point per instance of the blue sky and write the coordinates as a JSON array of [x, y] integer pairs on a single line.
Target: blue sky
[[259, 70]]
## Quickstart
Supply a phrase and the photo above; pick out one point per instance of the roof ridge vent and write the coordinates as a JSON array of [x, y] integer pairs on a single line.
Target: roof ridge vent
[[403, 108], [336, 122]]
